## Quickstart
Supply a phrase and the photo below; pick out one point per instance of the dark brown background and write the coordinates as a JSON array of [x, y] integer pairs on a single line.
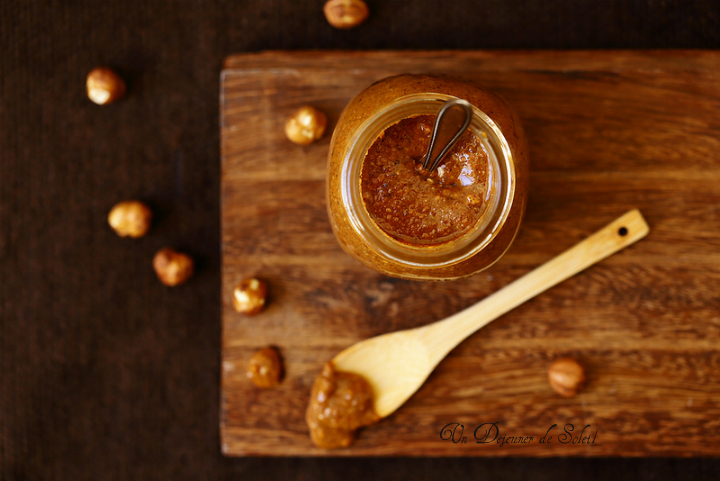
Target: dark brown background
[[105, 373]]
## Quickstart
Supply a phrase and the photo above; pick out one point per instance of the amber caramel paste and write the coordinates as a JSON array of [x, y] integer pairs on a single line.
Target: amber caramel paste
[[340, 403], [416, 206]]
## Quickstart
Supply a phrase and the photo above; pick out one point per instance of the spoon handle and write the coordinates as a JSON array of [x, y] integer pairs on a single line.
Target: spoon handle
[[452, 121], [441, 337]]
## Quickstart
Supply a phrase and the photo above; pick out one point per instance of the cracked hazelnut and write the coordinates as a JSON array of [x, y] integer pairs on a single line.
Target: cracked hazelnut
[[265, 368], [130, 218], [173, 267], [566, 376], [306, 125], [249, 296], [104, 86], [346, 13]]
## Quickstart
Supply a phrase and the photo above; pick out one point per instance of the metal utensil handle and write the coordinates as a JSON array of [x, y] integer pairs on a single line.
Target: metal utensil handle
[[454, 117]]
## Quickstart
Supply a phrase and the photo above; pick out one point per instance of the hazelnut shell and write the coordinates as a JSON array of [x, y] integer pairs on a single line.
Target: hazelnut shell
[[566, 376], [265, 368], [249, 296], [344, 14], [104, 86], [173, 267], [130, 218], [306, 125]]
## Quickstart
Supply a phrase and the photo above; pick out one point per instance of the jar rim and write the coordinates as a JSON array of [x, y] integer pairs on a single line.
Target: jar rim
[[444, 254]]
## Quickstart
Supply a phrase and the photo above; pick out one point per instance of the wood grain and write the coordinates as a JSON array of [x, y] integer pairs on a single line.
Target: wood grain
[[608, 131]]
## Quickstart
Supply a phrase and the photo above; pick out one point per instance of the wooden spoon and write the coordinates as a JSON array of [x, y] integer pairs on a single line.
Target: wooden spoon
[[397, 364]]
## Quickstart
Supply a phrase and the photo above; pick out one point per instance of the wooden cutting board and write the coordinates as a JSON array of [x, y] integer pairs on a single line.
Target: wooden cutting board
[[608, 131]]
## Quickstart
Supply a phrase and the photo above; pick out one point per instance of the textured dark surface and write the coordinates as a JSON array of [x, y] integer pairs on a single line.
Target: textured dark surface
[[104, 372]]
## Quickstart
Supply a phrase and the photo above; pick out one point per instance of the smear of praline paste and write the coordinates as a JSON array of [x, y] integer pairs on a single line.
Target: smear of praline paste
[[340, 403]]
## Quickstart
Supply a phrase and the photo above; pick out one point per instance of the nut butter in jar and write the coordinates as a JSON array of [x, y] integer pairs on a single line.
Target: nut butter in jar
[[403, 221]]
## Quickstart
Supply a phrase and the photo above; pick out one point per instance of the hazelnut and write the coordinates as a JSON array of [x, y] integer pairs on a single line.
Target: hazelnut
[[249, 296], [130, 218], [173, 267], [346, 13], [306, 125], [566, 376], [104, 86], [265, 368]]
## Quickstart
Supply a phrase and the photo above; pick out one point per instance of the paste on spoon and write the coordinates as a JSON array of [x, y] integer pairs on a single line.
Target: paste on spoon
[[340, 403]]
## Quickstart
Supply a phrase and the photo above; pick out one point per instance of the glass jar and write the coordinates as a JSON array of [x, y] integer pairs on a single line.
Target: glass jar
[[367, 117]]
